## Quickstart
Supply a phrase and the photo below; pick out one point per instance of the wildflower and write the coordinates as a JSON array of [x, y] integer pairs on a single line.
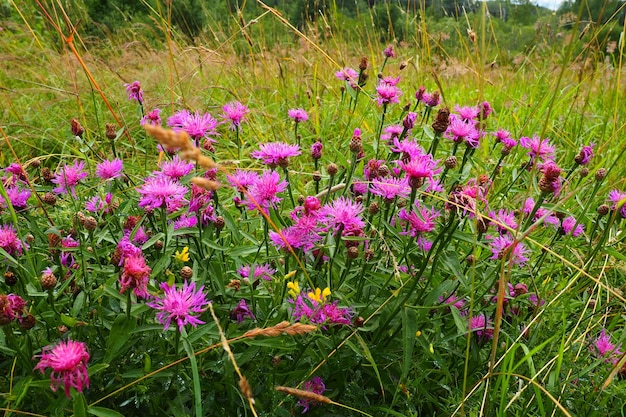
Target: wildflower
[[9, 241], [538, 148], [567, 226], [460, 130], [485, 110], [313, 306], [175, 169], [603, 347], [467, 113], [241, 179], [503, 220], [151, 118], [348, 75], [298, 115], [342, 214], [76, 128], [550, 182], [135, 275], [134, 91], [236, 113], [391, 133], [161, 192], [68, 361], [183, 305], [408, 149], [316, 386], [316, 150], [420, 220], [108, 170], [254, 272], [482, 326], [431, 99], [420, 167], [196, 125], [96, 204], [67, 257], [294, 289], [302, 235], [618, 198], [318, 295], [241, 312], [585, 155], [12, 307], [387, 94], [390, 188], [388, 52], [409, 120], [263, 192], [182, 255], [548, 217], [503, 244], [453, 300], [68, 177], [276, 153], [17, 196]]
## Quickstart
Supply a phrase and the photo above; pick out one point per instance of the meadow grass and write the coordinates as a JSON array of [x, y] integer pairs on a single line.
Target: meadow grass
[[457, 295]]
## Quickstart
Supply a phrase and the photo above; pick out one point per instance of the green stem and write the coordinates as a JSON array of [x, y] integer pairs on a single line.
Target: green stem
[[194, 373]]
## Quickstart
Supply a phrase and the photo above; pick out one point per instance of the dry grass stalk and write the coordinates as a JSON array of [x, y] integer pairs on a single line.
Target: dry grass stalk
[[205, 183], [282, 327], [245, 388], [180, 140], [307, 395]]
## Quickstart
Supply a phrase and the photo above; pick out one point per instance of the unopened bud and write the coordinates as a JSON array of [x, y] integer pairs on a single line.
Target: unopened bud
[[186, 273], [111, 131]]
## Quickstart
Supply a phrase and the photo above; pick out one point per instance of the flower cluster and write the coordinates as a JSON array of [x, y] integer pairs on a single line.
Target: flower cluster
[[314, 307]]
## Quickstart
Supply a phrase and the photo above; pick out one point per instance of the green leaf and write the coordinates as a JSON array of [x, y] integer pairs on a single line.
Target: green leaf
[[103, 412], [370, 358], [79, 303], [68, 321], [409, 328], [80, 405], [121, 331]]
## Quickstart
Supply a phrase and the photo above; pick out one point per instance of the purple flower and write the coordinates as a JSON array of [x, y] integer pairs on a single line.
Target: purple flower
[[276, 153], [538, 148], [241, 312], [134, 91], [408, 148], [420, 220], [585, 155], [342, 214], [96, 204], [196, 125], [9, 240], [431, 99], [185, 221], [485, 110], [161, 192], [235, 112], [17, 196], [460, 130], [68, 361], [152, 118], [68, 177], [316, 150], [184, 305], [304, 234], [135, 275], [505, 245], [505, 138], [314, 307], [254, 272], [618, 198], [503, 220], [262, 193], [298, 115], [388, 52], [108, 170], [241, 179], [482, 326], [391, 132], [316, 386], [12, 307], [420, 167], [390, 188], [348, 75], [175, 169], [453, 300], [467, 113], [550, 181], [387, 94], [568, 227], [409, 120], [603, 347]]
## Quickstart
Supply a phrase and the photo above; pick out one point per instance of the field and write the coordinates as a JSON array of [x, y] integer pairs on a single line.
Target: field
[[328, 217]]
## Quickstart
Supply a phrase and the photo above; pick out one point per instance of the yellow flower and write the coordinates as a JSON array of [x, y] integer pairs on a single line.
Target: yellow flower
[[294, 289], [182, 256], [319, 295]]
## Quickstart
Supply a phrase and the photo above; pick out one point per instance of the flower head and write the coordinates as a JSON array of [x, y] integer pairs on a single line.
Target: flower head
[[12, 307], [262, 193], [349, 75], [235, 112], [390, 188], [482, 326], [603, 347], [254, 272], [316, 386], [538, 148], [241, 312], [152, 118], [9, 241], [461, 130], [196, 125], [618, 198], [298, 115], [505, 245], [68, 178], [183, 305], [388, 52], [135, 274], [17, 196], [161, 191], [68, 361], [276, 153], [585, 155], [387, 93], [134, 91], [175, 169], [108, 170], [343, 214]]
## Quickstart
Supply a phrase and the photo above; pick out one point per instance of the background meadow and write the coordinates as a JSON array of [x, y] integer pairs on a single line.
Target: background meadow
[[415, 208]]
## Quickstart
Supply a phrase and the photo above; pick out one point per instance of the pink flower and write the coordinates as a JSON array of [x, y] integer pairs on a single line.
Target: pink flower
[[390, 188], [387, 94], [585, 155], [134, 91], [184, 305], [175, 169], [9, 241], [503, 220], [263, 192], [453, 300], [538, 148], [241, 312], [467, 113], [505, 138], [460, 130], [316, 386], [12, 306], [241, 179], [152, 118], [343, 214], [568, 226], [135, 275], [298, 115], [108, 170], [482, 326], [68, 361], [505, 245], [420, 220], [388, 52], [420, 167], [17, 196], [161, 192], [618, 198], [276, 153], [254, 272], [236, 113], [603, 346], [196, 125], [68, 177], [348, 75]]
